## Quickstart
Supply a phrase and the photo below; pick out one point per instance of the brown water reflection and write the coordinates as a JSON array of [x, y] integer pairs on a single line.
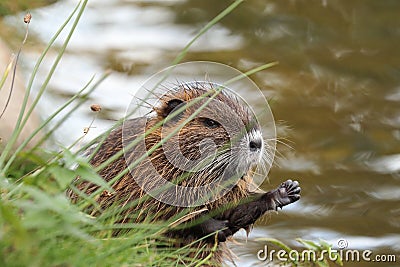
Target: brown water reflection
[[335, 92], [335, 95]]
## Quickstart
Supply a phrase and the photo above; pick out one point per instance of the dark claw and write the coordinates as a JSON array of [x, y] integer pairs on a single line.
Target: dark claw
[[225, 232], [221, 227], [223, 235], [292, 188], [288, 192]]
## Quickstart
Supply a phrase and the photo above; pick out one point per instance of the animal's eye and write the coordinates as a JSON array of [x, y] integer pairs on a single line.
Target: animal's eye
[[210, 123]]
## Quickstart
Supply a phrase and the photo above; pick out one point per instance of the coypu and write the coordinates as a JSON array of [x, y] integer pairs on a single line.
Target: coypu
[[215, 151]]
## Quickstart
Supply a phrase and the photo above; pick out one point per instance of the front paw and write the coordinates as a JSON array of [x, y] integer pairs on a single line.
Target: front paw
[[287, 193], [224, 232]]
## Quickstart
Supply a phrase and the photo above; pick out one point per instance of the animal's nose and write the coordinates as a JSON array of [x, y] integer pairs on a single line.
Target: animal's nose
[[255, 145]]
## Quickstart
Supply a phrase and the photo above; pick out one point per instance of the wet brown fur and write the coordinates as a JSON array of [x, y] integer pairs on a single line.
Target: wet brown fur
[[126, 190]]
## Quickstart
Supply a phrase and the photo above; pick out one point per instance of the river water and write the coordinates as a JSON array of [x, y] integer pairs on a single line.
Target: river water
[[335, 96]]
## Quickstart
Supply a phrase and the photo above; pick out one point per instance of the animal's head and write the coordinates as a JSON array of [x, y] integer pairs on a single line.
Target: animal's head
[[209, 129]]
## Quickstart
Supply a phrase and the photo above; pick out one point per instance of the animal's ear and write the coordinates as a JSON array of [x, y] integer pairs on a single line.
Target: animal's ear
[[168, 107]]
